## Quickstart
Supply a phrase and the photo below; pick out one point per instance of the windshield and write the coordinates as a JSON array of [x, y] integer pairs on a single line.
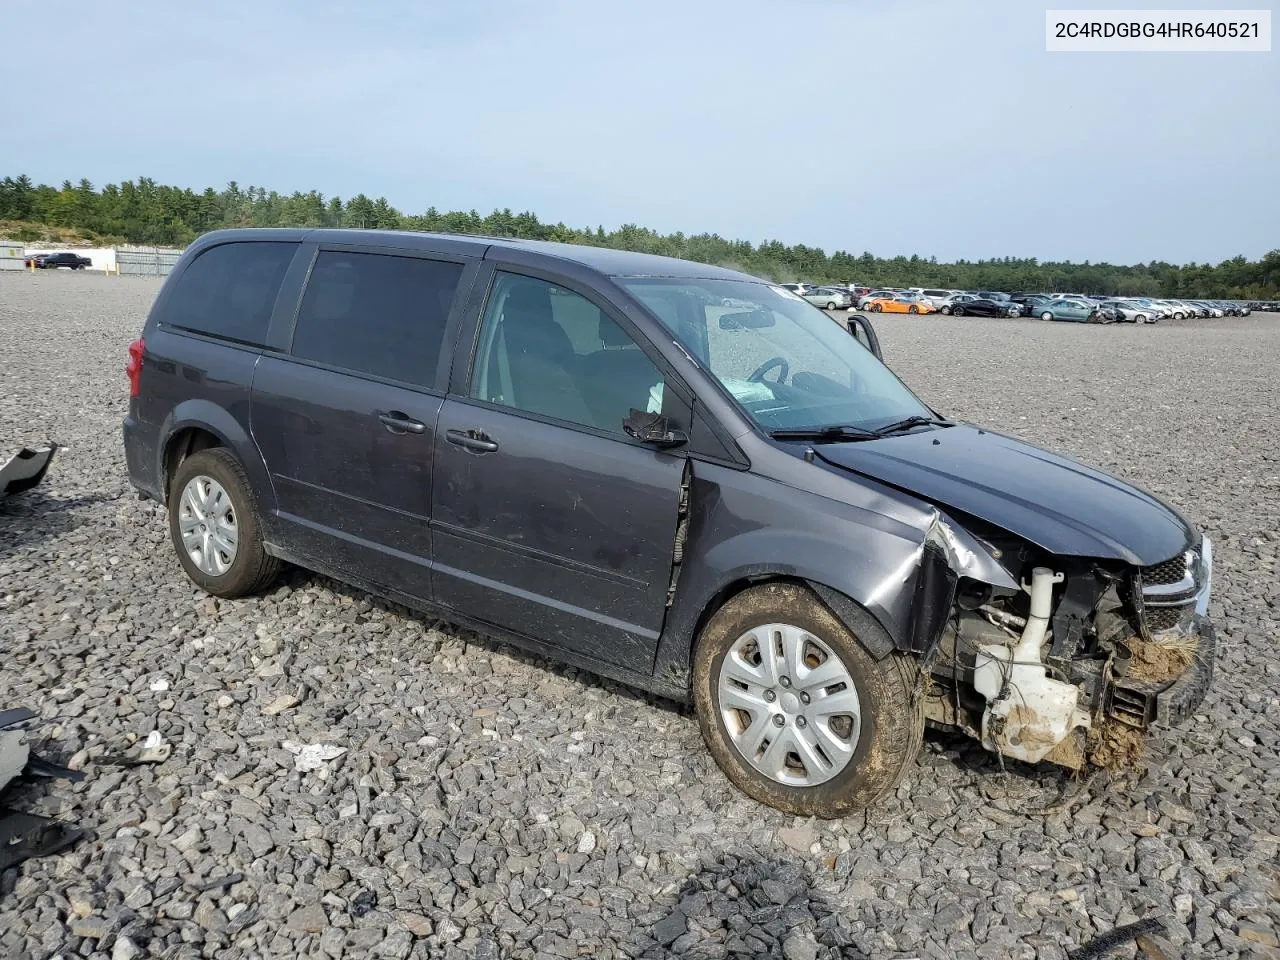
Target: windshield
[[784, 361]]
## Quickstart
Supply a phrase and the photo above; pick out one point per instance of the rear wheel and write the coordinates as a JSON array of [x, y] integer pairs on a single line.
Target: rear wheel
[[832, 305], [215, 526], [795, 711]]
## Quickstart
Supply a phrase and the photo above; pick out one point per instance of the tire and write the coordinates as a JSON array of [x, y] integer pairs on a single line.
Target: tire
[[1046, 315], [875, 308], [1141, 318], [913, 309], [250, 569], [945, 311], [1177, 316], [957, 311], [831, 305], [883, 744]]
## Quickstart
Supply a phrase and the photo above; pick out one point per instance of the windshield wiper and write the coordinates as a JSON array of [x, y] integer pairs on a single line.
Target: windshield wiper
[[917, 421], [837, 433]]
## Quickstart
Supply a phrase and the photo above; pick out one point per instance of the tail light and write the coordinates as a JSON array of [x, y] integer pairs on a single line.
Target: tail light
[[133, 366]]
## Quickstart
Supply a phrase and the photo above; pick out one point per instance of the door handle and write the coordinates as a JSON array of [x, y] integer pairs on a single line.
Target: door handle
[[471, 440], [398, 422]]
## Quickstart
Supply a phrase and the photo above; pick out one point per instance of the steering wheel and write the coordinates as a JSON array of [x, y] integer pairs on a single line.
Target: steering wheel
[[779, 362]]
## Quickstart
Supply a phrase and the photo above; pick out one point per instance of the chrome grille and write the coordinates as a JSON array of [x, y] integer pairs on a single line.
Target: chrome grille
[[1174, 590], [1171, 571]]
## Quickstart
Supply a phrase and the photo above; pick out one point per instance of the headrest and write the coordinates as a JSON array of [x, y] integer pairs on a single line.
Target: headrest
[[530, 300]]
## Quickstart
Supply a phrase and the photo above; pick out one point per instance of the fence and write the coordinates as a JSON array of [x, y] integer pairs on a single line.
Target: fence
[[146, 261]]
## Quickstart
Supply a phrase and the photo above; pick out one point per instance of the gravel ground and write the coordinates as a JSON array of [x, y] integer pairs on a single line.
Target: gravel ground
[[490, 804]]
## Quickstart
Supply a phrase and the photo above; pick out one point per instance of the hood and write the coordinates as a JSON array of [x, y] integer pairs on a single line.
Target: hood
[[1055, 503]]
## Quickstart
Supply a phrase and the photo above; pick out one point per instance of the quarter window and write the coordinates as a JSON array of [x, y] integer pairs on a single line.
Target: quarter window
[[229, 290], [547, 350], [377, 314]]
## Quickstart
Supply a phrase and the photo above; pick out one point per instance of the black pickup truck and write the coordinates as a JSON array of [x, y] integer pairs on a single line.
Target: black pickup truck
[[51, 261]]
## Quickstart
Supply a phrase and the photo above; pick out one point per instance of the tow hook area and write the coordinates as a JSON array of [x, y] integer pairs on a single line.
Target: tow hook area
[[1028, 714]]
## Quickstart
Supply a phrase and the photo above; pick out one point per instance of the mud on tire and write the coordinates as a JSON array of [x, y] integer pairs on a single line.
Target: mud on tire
[[891, 709]]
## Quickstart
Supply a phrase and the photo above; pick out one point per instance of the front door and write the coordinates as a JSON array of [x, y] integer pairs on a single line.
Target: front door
[[548, 520], [346, 424]]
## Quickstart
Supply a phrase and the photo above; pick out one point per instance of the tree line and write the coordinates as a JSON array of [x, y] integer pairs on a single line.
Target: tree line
[[146, 212]]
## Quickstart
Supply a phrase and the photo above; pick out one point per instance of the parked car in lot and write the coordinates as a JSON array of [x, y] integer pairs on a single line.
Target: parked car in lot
[[984, 307], [898, 304], [864, 300], [584, 452], [52, 261], [828, 298], [1130, 312], [943, 304], [799, 289], [1159, 308], [1079, 311]]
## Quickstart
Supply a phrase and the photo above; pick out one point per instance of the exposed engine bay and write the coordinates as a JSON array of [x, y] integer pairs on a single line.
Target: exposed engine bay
[[1077, 663]]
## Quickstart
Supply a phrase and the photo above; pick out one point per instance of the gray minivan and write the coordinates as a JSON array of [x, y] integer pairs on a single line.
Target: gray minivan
[[672, 474]]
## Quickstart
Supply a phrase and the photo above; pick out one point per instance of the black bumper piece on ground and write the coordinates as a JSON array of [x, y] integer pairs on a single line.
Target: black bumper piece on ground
[[25, 469]]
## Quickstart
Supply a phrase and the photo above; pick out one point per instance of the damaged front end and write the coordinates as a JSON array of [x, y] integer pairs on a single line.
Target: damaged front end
[[1065, 659]]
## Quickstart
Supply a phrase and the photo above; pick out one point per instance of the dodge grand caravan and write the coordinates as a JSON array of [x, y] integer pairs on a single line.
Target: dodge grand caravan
[[672, 474]]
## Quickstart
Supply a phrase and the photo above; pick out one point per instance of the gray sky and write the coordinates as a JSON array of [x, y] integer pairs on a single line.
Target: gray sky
[[938, 128]]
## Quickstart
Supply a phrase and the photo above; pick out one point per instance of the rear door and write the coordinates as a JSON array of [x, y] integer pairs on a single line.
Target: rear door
[[346, 423], [548, 519]]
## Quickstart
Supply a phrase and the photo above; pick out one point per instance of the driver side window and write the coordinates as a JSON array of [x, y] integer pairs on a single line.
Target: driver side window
[[547, 350]]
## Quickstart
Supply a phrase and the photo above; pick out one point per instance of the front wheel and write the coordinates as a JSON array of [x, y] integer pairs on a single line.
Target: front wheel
[[1046, 315], [794, 709], [945, 311], [215, 526], [957, 311], [875, 308], [913, 309], [831, 305]]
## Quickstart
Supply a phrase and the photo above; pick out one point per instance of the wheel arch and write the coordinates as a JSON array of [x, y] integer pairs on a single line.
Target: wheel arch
[[196, 425], [673, 664]]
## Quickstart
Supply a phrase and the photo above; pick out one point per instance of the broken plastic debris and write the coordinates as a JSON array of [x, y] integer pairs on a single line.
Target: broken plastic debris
[[313, 756], [128, 753]]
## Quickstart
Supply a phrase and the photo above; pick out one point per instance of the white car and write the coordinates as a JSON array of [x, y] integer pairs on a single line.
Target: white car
[[1132, 311]]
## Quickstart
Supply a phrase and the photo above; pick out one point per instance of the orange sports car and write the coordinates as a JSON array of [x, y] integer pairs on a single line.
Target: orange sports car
[[899, 305]]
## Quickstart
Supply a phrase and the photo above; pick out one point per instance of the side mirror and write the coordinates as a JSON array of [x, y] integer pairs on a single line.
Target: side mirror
[[653, 429], [861, 330]]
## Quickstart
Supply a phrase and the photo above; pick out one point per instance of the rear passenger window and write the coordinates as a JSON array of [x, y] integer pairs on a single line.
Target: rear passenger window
[[378, 314], [229, 290]]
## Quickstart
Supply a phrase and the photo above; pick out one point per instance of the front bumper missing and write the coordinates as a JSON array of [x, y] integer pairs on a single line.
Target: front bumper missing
[[1141, 703]]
